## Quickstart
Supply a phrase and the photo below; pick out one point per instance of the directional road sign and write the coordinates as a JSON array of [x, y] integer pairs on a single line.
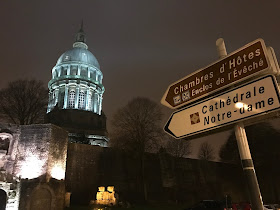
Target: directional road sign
[[249, 100], [238, 66]]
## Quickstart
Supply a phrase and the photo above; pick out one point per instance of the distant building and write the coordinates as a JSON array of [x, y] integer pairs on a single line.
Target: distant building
[[76, 93]]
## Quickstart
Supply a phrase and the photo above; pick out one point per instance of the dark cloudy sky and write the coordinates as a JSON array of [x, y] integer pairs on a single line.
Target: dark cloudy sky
[[142, 45]]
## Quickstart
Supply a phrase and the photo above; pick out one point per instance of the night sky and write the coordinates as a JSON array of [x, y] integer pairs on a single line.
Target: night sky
[[142, 45]]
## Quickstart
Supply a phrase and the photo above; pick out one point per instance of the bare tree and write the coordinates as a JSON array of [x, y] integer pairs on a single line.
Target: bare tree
[[178, 147], [206, 152], [24, 101], [136, 127]]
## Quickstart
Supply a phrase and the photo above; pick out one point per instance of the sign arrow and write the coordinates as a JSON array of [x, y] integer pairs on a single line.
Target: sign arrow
[[246, 62], [249, 100]]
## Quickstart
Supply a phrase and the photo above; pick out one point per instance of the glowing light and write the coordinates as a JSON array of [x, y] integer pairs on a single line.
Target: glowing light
[[239, 105], [105, 197], [32, 167], [110, 188], [58, 172]]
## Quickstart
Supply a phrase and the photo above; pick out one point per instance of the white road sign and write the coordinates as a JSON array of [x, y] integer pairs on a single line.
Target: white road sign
[[246, 101]]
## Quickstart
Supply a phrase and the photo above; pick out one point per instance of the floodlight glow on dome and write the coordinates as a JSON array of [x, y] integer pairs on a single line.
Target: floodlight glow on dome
[[76, 70]]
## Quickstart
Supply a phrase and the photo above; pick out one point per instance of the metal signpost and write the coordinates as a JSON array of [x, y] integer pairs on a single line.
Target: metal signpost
[[238, 104], [234, 106], [243, 146], [246, 62]]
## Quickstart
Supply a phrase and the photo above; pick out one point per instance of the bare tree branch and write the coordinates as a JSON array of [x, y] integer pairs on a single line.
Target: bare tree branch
[[206, 152], [138, 123], [24, 101], [178, 147]]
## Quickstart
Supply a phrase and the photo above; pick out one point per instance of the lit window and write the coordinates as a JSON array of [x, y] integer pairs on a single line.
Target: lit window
[[81, 100], [72, 99]]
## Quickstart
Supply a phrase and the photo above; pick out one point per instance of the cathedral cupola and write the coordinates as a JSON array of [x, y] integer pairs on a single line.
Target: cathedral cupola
[[76, 79], [76, 84]]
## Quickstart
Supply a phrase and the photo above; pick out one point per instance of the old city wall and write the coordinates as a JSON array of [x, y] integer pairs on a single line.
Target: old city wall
[[33, 163], [41, 162], [167, 178], [40, 149]]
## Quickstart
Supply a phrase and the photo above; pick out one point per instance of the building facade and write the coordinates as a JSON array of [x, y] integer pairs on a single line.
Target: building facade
[[76, 93]]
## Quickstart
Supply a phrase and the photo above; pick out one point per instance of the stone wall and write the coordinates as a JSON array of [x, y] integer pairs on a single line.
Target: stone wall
[[166, 178], [32, 165], [41, 160], [41, 195], [40, 149], [82, 172]]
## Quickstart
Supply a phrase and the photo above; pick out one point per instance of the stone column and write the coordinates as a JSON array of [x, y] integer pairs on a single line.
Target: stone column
[[77, 96], [96, 76], [53, 73], [88, 72], [68, 70], [87, 99], [56, 96], [58, 71], [79, 70], [95, 101], [100, 103], [90, 100], [65, 97]]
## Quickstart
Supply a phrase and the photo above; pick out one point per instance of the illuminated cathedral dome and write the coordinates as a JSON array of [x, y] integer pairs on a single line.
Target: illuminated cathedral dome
[[76, 90], [80, 55], [76, 79]]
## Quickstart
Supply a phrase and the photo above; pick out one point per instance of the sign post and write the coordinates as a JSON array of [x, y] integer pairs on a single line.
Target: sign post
[[245, 155], [256, 97]]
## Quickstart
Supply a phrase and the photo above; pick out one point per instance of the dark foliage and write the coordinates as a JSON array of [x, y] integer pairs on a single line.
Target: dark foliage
[[263, 141]]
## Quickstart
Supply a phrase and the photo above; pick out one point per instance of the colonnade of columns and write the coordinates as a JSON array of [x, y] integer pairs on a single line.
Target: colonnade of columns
[[91, 101]]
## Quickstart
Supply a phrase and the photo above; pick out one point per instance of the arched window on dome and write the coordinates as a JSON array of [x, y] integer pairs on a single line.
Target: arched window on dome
[[91, 73], [84, 72], [93, 76], [64, 71], [74, 70], [81, 100], [71, 101]]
